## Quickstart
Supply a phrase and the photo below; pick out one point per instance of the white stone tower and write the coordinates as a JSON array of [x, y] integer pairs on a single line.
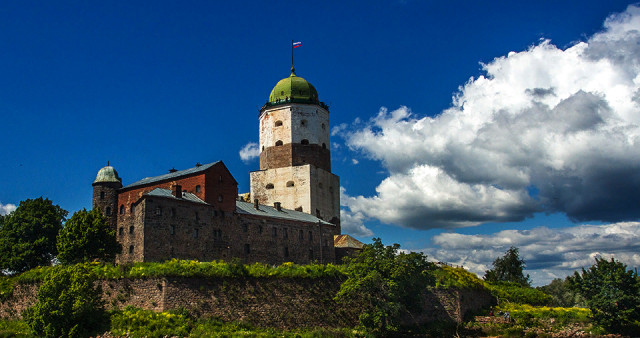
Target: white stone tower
[[295, 156]]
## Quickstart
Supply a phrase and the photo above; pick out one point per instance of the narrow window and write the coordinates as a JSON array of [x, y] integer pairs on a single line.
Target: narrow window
[[158, 211], [259, 229], [122, 209], [102, 195], [275, 232], [247, 249], [310, 254], [262, 148], [301, 235], [131, 249], [198, 188], [324, 146], [286, 251], [219, 198], [245, 227], [173, 211], [195, 233], [324, 127], [310, 235], [278, 123], [108, 211], [197, 216], [131, 229], [305, 142], [278, 143], [132, 209], [285, 233], [172, 230], [220, 178], [290, 184], [269, 186], [121, 231], [303, 123]]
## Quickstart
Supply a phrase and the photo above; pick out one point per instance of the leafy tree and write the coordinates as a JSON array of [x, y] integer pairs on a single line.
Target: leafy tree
[[69, 305], [508, 268], [387, 283], [562, 293], [612, 293], [86, 236], [28, 235]]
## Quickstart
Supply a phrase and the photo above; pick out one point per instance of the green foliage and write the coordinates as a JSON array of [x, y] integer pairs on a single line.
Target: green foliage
[[458, 278], [562, 293], [86, 236], [508, 268], [6, 288], [28, 235], [560, 315], [516, 293], [14, 329], [387, 283], [134, 322], [69, 305], [612, 293]]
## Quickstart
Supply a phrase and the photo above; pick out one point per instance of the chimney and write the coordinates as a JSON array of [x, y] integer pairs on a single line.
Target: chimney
[[198, 165], [176, 191], [173, 170], [277, 205], [255, 204]]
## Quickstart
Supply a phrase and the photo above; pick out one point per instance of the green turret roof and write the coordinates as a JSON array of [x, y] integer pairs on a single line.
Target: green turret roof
[[293, 89], [107, 175]]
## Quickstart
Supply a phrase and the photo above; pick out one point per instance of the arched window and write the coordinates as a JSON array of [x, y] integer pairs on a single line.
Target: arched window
[[198, 188], [278, 143], [130, 249], [219, 198], [121, 231], [108, 211], [132, 209], [269, 186], [305, 141], [122, 209], [324, 146], [102, 195], [131, 229], [278, 123], [290, 184]]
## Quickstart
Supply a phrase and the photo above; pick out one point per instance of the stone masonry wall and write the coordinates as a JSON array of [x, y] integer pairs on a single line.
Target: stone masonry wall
[[267, 302]]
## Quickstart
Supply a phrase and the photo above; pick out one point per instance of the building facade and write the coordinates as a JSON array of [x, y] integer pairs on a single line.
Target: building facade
[[291, 214]]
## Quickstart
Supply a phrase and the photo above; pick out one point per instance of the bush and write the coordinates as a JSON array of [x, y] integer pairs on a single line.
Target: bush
[[515, 293], [134, 322], [69, 305], [459, 278]]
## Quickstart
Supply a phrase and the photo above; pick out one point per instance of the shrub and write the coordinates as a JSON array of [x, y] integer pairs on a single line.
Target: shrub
[[134, 322], [459, 278], [69, 305], [515, 293]]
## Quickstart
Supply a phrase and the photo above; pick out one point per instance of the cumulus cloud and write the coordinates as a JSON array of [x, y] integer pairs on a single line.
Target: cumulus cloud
[[548, 253], [7, 208], [352, 222], [546, 129], [250, 151]]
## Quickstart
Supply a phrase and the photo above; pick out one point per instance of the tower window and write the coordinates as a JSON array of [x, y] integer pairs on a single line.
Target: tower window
[[269, 186], [303, 123], [324, 146], [305, 141], [245, 227], [324, 127], [172, 229], [108, 211], [132, 209], [301, 235], [122, 209], [131, 229], [290, 184], [197, 216], [247, 249], [158, 211], [130, 249], [121, 231], [102, 195], [278, 123], [259, 229], [198, 188], [220, 198], [195, 233], [262, 148], [278, 143], [320, 185], [275, 232], [285, 233]]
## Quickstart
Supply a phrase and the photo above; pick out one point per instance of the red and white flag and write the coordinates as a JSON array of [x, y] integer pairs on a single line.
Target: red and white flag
[[297, 44]]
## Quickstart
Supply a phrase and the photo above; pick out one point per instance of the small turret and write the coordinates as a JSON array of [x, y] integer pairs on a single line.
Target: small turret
[[105, 193]]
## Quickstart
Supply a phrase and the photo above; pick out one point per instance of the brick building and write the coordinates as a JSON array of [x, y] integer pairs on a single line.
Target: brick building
[[291, 214]]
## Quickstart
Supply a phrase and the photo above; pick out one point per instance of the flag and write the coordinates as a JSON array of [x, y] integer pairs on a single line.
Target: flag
[[297, 44]]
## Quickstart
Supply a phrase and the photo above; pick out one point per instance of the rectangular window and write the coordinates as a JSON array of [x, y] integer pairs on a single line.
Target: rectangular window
[[275, 232], [173, 211], [259, 229], [310, 236], [195, 233], [172, 230], [285, 233], [197, 216], [286, 251], [245, 227], [247, 249], [301, 235]]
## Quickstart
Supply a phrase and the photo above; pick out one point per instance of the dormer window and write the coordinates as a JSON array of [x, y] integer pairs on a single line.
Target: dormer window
[[198, 189]]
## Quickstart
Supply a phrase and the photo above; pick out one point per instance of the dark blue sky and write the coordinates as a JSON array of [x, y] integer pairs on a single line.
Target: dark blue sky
[[151, 85]]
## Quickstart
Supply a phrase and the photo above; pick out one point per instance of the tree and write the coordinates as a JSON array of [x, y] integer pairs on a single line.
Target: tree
[[387, 283], [612, 293], [562, 293], [69, 305], [86, 236], [28, 235], [508, 268]]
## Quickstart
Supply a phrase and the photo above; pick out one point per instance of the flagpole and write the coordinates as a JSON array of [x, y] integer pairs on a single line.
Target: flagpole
[[291, 53]]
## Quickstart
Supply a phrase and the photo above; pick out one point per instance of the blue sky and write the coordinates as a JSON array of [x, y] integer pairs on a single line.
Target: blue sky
[[150, 86]]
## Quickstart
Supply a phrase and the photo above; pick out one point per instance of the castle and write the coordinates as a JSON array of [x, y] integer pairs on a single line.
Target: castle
[[292, 213]]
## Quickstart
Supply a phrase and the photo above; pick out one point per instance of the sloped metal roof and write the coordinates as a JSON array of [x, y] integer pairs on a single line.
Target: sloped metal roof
[[267, 211], [186, 196], [176, 174], [346, 241]]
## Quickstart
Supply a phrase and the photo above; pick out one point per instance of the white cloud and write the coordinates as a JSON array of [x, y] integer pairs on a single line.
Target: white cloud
[[354, 161], [250, 151], [352, 222], [548, 253], [544, 129], [7, 208]]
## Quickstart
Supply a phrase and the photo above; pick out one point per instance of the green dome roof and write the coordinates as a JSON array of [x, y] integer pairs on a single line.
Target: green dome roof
[[293, 89], [107, 174]]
